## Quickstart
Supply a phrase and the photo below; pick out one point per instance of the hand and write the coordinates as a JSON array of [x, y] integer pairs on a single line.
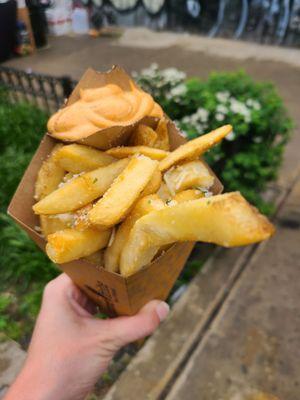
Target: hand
[[70, 349]]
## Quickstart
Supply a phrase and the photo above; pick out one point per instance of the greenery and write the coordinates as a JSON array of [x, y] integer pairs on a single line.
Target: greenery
[[24, 268], [252, 154], [247, 161]]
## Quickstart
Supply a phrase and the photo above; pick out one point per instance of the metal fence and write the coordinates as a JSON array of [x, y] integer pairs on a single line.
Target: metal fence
[[46, 91]]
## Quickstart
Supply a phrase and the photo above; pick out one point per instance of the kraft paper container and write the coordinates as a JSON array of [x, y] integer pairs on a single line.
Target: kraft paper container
[[114, 294]]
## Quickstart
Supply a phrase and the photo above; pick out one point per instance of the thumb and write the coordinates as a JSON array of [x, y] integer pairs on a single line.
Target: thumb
[[124, 330]]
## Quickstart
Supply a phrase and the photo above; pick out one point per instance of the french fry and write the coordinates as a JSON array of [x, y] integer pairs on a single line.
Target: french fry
[[116, 203], [81, 220], [143, 135], [186, 195], [154, 183], [227, 220], [142, 207], [189, 175], [53, 223], [81, 190], [194, 148], [70, 244], [127, 151], [162, 141], [77, 158], [49, 176]]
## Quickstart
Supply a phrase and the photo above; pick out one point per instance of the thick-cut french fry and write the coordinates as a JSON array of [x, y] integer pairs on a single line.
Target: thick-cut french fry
[[189, 175], [227, 220], [77, 158], [143, 135], [194, 148], [162, 141], [116, 203], [124, 151], [81, 220], [49, 176], [71, 244], [142, 207], [81, 190], [53, 223], [154, 183], [186, 195]]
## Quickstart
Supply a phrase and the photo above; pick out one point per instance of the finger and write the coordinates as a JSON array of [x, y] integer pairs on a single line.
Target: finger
[[124, 330]]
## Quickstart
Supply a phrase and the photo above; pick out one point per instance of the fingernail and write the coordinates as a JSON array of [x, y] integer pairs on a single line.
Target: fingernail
[[162, 310]]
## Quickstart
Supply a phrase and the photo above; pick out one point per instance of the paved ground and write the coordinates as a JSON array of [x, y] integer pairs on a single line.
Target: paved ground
[[11, 361], [235, 332]]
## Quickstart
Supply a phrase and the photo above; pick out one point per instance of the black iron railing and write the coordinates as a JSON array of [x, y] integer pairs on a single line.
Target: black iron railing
[[46, 91]]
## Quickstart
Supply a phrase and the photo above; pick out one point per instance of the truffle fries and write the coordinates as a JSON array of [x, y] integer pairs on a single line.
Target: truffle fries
[[162, 141], [142, 207], [195, 148], [193, 174], [227, 220], [116, 203], [77, 158], [80, 191], [143, 135], [50, 175], [124, 151], [70, 244]]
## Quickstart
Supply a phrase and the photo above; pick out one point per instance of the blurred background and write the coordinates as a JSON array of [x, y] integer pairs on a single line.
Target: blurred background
[[234, 328]]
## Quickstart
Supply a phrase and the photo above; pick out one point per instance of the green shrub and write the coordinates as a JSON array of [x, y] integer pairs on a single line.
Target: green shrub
[[250, 157], [24, 268]]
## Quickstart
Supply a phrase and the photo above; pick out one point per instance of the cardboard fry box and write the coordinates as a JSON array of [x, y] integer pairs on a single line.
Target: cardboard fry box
[[114, 294]]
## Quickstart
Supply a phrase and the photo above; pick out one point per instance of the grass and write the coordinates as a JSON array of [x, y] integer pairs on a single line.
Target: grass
[[24, 268]]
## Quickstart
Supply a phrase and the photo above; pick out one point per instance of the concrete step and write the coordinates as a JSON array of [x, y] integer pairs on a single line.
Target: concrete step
[[11, 360]]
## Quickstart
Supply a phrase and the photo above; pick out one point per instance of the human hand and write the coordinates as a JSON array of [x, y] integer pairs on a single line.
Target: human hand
[[70, 349]]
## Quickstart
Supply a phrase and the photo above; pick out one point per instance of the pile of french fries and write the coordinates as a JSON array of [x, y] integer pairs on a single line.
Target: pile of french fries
[[123, 207]]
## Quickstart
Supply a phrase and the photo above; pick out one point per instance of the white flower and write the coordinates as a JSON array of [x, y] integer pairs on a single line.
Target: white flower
[[202, 114], [230, 137], [237, 107], [254, 104], [173, 74], [223, 96], [179, 90], [186, 119], [222, 109], [220, 117]]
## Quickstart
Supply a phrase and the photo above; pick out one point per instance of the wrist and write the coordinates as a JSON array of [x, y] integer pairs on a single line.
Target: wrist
[[34, 383]]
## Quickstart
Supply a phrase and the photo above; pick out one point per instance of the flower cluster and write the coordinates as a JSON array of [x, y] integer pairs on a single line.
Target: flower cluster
[[229, 104], [167, 83], [198, 120]]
